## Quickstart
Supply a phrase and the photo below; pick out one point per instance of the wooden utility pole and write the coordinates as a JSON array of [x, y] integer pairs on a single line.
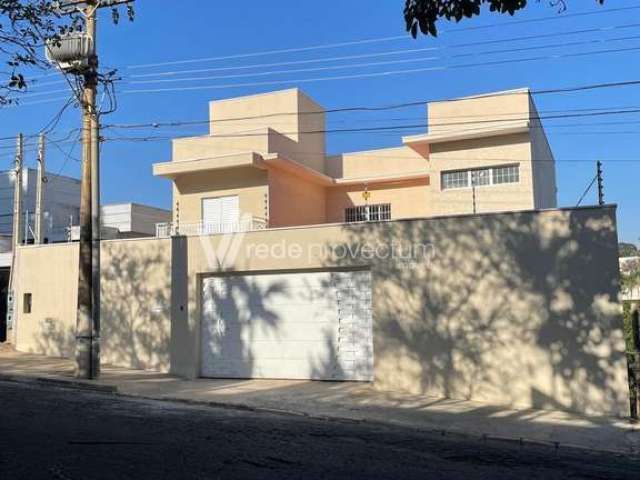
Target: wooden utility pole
[[40, 191], [87, 350], [85, 63]]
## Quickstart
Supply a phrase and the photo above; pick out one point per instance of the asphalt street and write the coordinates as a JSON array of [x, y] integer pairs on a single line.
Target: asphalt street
[[55, 433]]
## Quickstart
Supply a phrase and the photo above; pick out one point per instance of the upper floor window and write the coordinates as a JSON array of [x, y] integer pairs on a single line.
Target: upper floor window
[[368, 213], [480, 176]]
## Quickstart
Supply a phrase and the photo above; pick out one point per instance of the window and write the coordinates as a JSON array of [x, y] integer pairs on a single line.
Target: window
[[368, 213], [480, 177], [455, 179], [26, 303], [510, 174]]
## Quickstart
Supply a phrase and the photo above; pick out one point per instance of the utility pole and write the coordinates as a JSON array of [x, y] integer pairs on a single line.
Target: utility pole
[[40, 191], [17, 231], [87, 353], [600, 183], [17, 193], [84, 62]]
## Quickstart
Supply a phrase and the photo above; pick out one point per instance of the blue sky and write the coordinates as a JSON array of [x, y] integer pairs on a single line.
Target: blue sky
[[191, 29]]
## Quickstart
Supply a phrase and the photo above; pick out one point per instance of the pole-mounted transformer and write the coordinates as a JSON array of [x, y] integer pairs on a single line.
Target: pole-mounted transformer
[[71, 53]]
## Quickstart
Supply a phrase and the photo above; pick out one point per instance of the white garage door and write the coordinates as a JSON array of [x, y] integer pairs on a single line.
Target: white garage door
[[288, 325]]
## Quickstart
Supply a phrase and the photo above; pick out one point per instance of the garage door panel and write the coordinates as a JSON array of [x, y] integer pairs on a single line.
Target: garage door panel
[[290, 325]]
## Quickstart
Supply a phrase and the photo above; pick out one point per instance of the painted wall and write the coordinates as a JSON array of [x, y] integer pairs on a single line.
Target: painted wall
[[478, 153], [408, 199], [479, 112], [543, 164], [290, 112], [294, 202], [517, 308], [136, 301], [250, 184], [371, 163]]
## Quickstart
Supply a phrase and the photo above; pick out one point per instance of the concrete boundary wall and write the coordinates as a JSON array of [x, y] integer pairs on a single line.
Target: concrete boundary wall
[[514, 308]]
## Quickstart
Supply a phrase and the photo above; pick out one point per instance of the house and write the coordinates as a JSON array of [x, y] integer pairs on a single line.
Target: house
[[267, 152], [441, 266]]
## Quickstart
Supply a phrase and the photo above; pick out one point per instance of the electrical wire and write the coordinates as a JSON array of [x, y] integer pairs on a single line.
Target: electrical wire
[[375, 40], [386, 73], [586, 191], [398, 52]]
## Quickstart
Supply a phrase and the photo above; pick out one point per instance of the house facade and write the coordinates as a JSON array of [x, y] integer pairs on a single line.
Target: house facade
[[266, 153], [281, 262]]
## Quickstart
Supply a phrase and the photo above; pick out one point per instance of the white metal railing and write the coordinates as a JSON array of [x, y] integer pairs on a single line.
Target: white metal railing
[[165, 230]]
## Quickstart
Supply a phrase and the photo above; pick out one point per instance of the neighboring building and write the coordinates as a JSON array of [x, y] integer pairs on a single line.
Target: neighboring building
[[61, 205], [129, 220], [628, 264], [266, 153]]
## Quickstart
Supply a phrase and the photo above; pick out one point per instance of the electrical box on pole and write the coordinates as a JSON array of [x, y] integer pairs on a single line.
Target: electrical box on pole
[[71, 53]]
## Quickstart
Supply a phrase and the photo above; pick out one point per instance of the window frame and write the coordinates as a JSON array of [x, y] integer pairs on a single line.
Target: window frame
[[27, 303], [354, 213], [469, 175]]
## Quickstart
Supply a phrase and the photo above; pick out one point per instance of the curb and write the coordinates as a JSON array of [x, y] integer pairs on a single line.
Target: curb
[[245, 407], [447, 432], [57, 382]]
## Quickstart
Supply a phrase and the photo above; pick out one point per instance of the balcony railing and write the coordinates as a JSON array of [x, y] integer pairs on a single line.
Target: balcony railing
[[170, 229]]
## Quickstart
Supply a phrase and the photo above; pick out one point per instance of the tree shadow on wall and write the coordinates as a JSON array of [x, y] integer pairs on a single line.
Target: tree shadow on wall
[[236, 317], [135, 306], [55, 340], [514, 308]]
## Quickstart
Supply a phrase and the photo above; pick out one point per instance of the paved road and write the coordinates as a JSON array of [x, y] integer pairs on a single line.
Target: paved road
[[54, 433]]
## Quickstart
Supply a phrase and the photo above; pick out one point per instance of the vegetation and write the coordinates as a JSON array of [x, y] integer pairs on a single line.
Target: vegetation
[[628, 250], [423, 15]]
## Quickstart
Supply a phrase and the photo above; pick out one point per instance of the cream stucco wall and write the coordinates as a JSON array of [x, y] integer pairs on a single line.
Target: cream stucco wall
[[371, 163], [293, 201], [517, 308], [479, 112], [411, 198], [290, 112], [478, 153], [290, 124], [250, 184], [135, 300]]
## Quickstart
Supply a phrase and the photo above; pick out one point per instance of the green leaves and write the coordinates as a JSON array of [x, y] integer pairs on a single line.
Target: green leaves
[[423, 15]]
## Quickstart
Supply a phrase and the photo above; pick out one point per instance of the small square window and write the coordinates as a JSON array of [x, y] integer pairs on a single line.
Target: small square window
[[458, 179], [26, 303], [509, 174]]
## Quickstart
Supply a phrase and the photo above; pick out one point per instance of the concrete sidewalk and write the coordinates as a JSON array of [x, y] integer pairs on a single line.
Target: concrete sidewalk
[[346, 402]]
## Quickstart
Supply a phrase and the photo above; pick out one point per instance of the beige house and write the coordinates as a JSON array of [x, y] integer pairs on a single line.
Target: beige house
[[277, 264], [266, 153]]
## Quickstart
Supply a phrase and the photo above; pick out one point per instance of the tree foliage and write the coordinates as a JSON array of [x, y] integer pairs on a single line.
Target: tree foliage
[[25, 25], [423, 15], [628, 250]]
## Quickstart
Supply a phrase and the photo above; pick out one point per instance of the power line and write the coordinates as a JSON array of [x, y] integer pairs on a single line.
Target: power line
[[586, 191], [442, 68], [564, 90], [375, 64], [484, 121], [373, 40], [396, 106], [399, 52]]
